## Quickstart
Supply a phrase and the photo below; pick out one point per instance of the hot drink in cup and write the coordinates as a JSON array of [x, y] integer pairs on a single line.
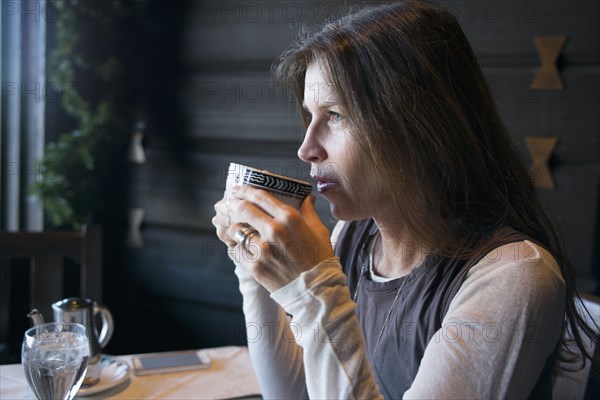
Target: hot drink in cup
[[288, 190]]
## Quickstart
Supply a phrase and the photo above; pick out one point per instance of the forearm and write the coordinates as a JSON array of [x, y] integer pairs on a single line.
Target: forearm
[[335, 358], [276, 357]]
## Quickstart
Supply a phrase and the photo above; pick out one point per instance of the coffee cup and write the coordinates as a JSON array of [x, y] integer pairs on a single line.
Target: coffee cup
[[289, 190]]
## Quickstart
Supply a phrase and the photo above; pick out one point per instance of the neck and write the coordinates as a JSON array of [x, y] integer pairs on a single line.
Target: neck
[[396, 253]]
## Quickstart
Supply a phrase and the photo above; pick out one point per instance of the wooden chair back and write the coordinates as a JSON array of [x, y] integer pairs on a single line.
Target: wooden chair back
[[43, 254]]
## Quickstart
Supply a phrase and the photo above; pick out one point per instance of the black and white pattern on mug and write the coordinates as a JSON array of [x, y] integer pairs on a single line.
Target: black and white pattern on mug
[[279, 185]]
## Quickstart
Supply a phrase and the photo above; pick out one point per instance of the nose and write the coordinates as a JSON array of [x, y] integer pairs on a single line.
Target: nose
[[311, 149]]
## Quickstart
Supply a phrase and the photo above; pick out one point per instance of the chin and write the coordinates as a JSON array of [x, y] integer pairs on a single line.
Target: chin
[[343, 213]]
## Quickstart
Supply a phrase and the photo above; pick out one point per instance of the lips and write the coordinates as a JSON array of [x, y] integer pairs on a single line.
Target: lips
[[324, 183]]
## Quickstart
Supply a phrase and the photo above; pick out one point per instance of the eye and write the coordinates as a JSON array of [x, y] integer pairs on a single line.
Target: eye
[[334, 117]]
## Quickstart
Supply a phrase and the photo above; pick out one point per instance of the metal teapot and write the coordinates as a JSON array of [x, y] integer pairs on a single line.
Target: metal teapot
[[84, 311]]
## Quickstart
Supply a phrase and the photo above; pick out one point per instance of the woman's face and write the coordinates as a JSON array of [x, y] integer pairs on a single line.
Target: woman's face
[[337, 162]]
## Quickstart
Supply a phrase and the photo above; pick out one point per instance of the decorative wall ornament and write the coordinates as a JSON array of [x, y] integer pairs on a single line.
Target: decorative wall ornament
[[135, 218], [549, 48], [541, 149]]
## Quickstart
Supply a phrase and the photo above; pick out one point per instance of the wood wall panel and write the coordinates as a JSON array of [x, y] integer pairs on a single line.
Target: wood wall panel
[[573, 203], [567, 114], [248, 31], [500, 31], [240, 104], [189, 264]]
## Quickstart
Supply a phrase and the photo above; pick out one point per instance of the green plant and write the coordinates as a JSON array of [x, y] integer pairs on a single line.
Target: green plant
[[69, 179], [88, 66]]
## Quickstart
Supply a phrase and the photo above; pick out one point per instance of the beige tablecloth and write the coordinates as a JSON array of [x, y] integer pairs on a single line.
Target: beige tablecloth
[[230, 376]]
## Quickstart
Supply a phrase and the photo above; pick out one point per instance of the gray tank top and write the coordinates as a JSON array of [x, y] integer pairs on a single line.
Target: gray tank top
[[417, 313]]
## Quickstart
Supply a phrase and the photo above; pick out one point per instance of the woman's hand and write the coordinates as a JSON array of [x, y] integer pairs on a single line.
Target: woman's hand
[[287, 242], [222, 221]]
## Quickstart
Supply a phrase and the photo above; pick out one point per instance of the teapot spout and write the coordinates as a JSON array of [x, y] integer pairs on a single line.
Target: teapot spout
[[36, 317]]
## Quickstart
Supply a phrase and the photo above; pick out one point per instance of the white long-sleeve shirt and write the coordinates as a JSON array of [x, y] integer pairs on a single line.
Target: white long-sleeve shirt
[[320, 353]]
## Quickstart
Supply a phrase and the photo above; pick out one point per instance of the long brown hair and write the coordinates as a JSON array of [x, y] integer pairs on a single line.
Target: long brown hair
[[414, 93]]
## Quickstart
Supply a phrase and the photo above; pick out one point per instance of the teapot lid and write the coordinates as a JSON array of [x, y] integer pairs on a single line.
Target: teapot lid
[[73, 303]]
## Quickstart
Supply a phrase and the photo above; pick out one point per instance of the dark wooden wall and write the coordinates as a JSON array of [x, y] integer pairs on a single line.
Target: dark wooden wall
[[219, 105], [501, 33]]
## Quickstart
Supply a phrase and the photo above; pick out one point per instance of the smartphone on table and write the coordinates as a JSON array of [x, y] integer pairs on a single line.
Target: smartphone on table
[[158, 363]]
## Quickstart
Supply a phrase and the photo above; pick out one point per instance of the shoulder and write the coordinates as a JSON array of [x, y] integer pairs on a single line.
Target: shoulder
[[520, 272], [501, 326], [524, 258]]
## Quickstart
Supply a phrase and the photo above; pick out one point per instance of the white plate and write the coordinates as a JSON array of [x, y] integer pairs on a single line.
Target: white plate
[[114, 372]]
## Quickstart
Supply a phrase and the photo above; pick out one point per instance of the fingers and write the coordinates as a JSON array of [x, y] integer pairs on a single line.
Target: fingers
[[239, 232], [286, 242], [235, 214], [260, 209], [307, 208], [247, 245], [309, 214], [262, 199], [222, 222]]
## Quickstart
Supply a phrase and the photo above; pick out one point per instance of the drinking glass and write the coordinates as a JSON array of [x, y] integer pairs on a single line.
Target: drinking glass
[[55, 356]]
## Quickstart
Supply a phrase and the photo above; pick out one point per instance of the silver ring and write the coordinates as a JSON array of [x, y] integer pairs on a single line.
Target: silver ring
[[244, 235]]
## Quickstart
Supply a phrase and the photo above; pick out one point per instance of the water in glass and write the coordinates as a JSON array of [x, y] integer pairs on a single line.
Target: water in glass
[[55, 357]]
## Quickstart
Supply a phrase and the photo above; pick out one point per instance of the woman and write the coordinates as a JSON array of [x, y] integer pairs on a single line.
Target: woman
[[446, 278]]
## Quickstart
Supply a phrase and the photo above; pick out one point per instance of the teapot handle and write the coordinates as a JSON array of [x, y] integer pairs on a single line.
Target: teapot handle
[[108, 326]]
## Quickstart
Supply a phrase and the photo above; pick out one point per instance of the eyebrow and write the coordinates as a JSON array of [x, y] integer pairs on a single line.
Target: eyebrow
[[324, 104]]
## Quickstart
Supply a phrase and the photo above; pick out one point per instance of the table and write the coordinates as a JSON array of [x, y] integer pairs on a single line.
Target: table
[[230, 376]]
